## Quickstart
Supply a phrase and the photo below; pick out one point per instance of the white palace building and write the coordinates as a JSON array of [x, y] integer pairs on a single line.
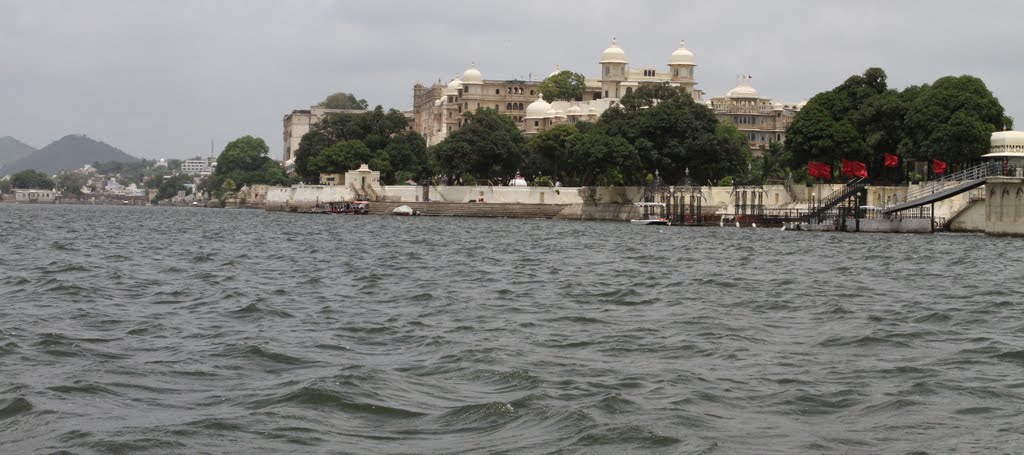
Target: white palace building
[[437, 110]]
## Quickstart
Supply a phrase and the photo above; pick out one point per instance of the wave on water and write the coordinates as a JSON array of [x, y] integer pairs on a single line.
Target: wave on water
[[240, 331]]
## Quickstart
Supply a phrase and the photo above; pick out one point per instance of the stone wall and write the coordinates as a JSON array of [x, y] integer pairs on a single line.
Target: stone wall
[[1004, 206]]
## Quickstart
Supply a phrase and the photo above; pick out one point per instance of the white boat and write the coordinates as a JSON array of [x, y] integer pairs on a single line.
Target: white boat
[[651, 219], [404, 210]]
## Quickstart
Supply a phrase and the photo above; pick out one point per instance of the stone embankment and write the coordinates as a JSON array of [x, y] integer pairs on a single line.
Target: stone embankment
[[496, 210]]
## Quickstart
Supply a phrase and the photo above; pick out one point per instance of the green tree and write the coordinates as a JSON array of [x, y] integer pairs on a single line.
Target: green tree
[[71, 182], [596, 158], [487, 146], [31, 179], [408, 158], [670, 133], [244, 161], [862, 119], [170, 186], [342, 100], [771, 165], [375, 129], [563, 86], [816, 135], [5, 186], [547, 152], [341, 157], [952, 120]]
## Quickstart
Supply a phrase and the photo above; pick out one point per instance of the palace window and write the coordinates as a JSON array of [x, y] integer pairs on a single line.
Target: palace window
[[497, 91]]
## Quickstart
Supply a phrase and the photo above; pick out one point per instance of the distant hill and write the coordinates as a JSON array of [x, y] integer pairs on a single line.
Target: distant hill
[[12, 150], [69, 152]]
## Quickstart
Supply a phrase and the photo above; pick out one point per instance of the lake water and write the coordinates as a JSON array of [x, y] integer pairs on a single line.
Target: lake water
[[177, 330]]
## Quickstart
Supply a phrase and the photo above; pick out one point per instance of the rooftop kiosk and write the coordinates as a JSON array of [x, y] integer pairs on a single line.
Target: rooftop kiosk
[[1008, 149]]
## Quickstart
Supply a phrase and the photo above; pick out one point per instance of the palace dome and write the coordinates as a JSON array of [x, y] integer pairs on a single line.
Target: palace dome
[[472, 76], [1007, 138], [538, 109], [453, 87], [744, 90], [575, 110], [614, 54], [682, 56], [556, 71]]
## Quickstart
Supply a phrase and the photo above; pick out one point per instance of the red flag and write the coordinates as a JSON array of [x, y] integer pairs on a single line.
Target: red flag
[[819, 170], [891, 160], [855, 169], [939, 166]]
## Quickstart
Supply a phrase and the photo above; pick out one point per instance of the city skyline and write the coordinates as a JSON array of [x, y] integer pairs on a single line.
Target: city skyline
[[162, 80]]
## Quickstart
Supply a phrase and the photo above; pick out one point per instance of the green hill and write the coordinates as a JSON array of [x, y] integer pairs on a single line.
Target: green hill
[[70, 152], [12, 150]]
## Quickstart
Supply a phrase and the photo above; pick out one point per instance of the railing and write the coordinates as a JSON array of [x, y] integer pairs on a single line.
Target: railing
[[970, 174], [834, 199]]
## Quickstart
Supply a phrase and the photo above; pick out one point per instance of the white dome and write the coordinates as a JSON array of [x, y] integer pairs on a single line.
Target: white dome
[[614, 54], [575, 110], [801, 105], [453, 87], [556, 71], [682, 56], [538, 109], [1007, 138], [437, 102], [744, 90], [472, 76]]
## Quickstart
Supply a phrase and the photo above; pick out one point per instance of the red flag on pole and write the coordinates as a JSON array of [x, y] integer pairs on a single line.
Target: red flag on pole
[[891, 160], [819, 170], [939, 167], [855, 169]]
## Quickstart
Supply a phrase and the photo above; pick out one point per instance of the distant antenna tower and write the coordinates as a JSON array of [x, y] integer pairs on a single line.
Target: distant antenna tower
[[211, 147]]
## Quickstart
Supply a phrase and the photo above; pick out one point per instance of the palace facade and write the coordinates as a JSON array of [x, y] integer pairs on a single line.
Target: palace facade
[[437, 110], [762, 120]]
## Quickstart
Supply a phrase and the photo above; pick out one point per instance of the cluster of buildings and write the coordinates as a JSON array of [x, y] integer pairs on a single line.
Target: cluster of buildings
[[437, 110]]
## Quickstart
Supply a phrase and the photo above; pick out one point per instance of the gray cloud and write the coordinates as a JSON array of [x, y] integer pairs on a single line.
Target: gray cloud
[[161, 79]]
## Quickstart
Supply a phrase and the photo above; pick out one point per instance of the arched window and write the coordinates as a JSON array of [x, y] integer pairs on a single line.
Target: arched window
[[629, 90], [1018, 205], [508, 106]]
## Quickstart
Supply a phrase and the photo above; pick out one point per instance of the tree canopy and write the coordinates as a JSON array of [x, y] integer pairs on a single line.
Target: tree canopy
[[487, 146], [398, 154], [657, 127], [672, 133], [563, 86], [342, 100], [244, 161], [71, 182], [863, 119], [31, 179]]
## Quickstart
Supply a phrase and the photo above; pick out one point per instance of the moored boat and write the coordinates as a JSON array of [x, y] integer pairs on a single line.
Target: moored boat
[[651, 216]]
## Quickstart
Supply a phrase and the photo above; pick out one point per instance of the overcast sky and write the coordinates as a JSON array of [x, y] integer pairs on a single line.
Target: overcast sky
[[164, 78]]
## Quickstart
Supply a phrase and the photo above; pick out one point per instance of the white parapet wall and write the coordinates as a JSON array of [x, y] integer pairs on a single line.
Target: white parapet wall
[[713, 198]]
